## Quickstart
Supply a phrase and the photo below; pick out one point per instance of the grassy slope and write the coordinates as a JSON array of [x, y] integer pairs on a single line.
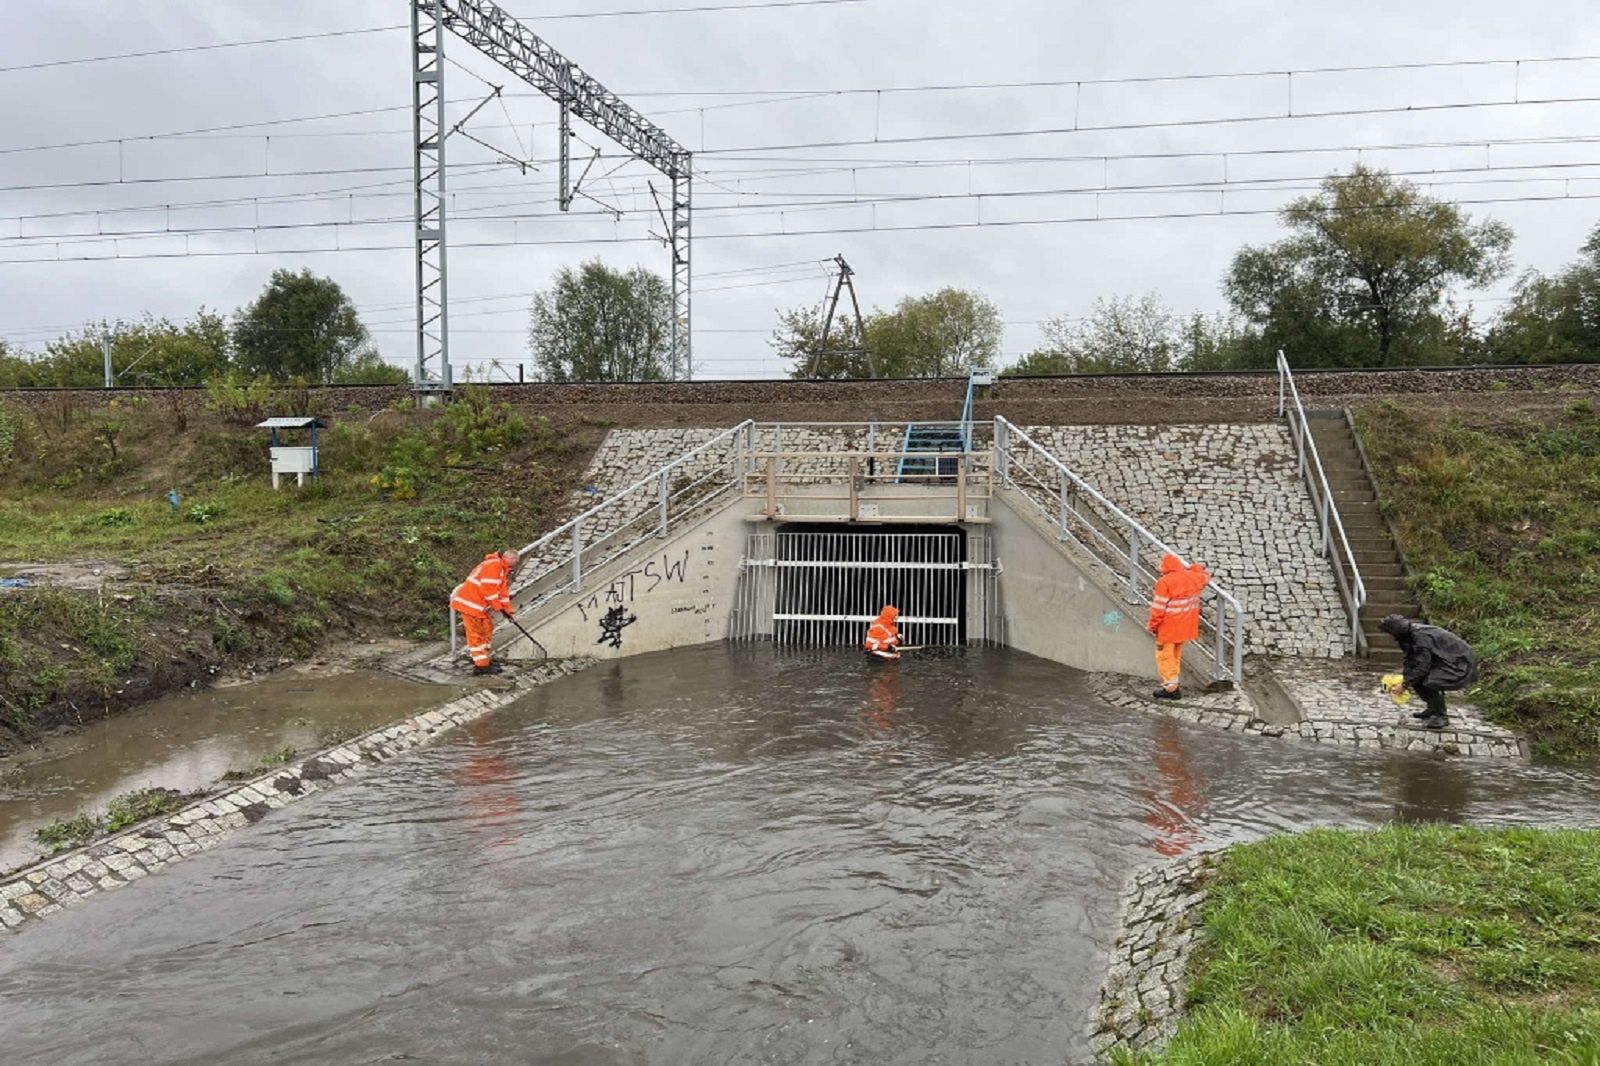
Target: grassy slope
[[266, 574], [1500, 517], [1402, 946]]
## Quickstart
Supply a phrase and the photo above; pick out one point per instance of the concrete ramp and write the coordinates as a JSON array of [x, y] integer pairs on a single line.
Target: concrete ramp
[[1054, 604], [668, 592]]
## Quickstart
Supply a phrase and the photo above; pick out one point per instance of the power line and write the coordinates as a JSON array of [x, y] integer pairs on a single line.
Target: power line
[[327, 34], [1223, 212], [1281, 184]]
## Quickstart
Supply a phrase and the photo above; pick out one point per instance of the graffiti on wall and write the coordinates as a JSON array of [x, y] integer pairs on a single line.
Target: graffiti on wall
[[668, 568], [612, 623]]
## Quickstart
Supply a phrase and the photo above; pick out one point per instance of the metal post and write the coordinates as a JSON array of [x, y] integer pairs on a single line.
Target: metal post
[[577, 557], [664, 491], [961, 489], [1281, 365], [105, 352], [1221, 611], [1066, 505], [855, 490], [1133, 563], [1238, 643], [1323, 544], [450, 624], [772, 487], [428, 179], [682, 355]]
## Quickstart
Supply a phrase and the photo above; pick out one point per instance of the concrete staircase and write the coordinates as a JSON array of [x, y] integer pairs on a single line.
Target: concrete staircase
[[1377, 556]]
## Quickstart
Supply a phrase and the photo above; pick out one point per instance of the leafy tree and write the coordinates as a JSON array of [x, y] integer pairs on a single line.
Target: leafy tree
[[301, 326], [600, 324], [798, 339], [1556, 318], [936, 335], [368, 368], [1119, 335], [1361, 277], [154, 351]]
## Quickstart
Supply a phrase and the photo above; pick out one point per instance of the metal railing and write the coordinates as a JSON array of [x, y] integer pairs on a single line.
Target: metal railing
[[783, 479], [650, 507], [1113, 539], [1330, 530]]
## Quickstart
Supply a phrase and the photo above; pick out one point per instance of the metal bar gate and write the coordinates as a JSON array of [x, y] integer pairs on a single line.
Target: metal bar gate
[[825, 588]]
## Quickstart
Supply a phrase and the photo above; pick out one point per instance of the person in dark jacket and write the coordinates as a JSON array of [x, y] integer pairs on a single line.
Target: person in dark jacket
[[1437, 661]]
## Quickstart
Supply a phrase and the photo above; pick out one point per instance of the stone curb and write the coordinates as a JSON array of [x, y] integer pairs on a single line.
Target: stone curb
[[40, 890], [1234, 712], [1141, 998]]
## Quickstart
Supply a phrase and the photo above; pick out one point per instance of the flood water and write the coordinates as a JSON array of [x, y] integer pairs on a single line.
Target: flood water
[[719, 855], [187, 741]]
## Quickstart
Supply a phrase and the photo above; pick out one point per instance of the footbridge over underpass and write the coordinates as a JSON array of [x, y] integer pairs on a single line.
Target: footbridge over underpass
[[798, 533]]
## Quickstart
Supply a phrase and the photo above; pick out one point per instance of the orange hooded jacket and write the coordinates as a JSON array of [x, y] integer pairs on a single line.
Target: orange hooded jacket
[[1175, 607], [882, 635], [487, 588]]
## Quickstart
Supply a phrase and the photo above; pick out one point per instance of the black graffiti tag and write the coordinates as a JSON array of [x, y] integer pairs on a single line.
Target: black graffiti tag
[[612, 625]]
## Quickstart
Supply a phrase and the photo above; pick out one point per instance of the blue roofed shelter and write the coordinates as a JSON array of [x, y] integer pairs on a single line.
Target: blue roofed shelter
[[296, 459]]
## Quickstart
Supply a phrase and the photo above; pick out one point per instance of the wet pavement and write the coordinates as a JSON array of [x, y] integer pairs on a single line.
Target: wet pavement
[[719, 855], [187, 741]]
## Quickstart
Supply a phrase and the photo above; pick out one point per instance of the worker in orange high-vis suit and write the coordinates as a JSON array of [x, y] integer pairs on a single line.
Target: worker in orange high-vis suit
[[1175, 618], [486, 590], [883, 639]]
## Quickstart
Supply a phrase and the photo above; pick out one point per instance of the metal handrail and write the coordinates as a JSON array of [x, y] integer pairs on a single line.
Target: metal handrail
[[654, 496], [1352, 589], [966, 412], [1129, 569]]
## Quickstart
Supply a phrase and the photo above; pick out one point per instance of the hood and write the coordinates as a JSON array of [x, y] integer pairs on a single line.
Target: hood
[[888, 615], [1171, 564], [1396, 625]]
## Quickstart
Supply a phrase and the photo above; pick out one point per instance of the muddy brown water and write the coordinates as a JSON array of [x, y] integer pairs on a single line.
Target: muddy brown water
[[718, 855], [186, 742]]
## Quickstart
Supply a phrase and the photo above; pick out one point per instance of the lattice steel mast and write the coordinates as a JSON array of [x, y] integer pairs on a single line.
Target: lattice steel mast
[[496, 34]]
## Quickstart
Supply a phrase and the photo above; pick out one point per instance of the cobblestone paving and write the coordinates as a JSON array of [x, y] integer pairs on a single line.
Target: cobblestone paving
[[1342, 704], [1339, 703], [1142, 996], [1231, 497], [43, 889]]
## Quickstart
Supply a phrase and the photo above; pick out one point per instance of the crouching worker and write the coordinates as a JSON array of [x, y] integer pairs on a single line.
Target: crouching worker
[[883, 639], [1437, 661], [1175, 619], [486, 590]]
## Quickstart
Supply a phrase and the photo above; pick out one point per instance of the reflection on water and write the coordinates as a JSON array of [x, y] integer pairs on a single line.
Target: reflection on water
[[722, 855], [188, 741]]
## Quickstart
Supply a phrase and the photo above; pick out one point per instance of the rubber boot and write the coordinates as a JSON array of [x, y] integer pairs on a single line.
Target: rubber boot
[[1438, 721], [1166, 694], [485, 671]]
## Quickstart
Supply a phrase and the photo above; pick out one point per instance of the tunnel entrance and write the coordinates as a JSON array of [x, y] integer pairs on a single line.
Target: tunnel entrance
[[823, 584]]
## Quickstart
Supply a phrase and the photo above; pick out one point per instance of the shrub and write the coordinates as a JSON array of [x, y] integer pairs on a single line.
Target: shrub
[[201, 513], [64, 833], [239, 400], [115, 517], [140, 805]]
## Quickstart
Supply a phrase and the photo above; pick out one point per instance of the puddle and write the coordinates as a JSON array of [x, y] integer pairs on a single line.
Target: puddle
[[188, 741]]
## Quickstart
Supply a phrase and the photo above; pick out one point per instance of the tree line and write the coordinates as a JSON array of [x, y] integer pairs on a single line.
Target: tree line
[[301, 328]]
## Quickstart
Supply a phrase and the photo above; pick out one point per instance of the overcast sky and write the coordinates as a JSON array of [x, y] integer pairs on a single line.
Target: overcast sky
[[680, 69]]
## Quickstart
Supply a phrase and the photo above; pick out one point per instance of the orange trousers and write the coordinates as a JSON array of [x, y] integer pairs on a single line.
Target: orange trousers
[[480, 631], [1169, 663]]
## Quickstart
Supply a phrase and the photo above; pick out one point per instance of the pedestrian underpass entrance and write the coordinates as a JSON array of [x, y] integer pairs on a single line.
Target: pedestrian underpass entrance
[[822, 585]]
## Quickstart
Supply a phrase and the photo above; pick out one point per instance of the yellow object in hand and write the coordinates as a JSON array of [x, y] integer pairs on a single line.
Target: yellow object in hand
[[1395, 686]]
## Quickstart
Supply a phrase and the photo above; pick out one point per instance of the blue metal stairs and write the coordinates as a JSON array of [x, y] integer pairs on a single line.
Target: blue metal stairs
[[923, 451], [922, 448]]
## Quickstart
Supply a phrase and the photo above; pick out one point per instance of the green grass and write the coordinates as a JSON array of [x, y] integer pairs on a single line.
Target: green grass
[[1402, 946], [1500, 517], [130, 808], [409, 501], [65, 833]]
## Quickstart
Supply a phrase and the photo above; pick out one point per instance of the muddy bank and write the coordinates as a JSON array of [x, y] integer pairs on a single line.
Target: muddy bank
[[186, 742]]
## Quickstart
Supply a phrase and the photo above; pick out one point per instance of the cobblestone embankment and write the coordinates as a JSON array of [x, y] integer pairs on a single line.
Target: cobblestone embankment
[[43, 889], [1141, 999], [1338, 702]]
